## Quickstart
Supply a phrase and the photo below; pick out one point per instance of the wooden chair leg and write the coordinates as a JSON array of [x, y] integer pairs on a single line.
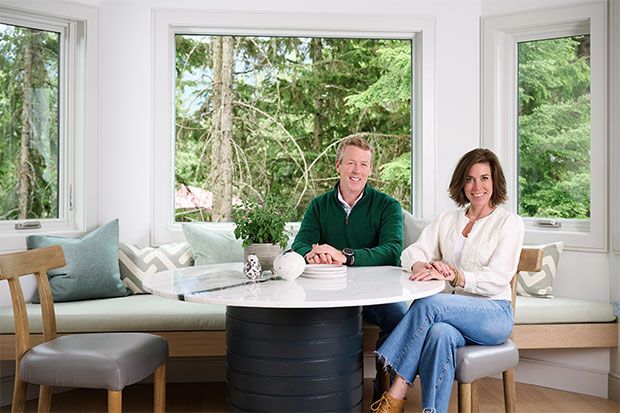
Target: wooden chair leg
[[510, 395], [115, 401], [384, 376], [464, 397], [475, 405], [45, 399], [19, 395], [160, 389]]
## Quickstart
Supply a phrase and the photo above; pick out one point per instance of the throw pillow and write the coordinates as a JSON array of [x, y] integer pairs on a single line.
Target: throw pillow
[[136, 263], [212, 247], [412, 228], [540, 284], [92, 265]]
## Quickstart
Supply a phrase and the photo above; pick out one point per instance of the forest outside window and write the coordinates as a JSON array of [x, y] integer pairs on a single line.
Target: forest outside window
[[35, 175], [544, 112], [258, 115]]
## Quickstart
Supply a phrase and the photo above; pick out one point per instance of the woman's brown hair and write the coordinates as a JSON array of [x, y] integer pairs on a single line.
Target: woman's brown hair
[[478, 155]]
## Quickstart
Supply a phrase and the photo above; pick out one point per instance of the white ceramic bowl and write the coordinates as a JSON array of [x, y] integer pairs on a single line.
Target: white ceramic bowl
[[289, 265]]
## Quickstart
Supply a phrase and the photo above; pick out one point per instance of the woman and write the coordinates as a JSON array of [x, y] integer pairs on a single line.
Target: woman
[[476, 250]]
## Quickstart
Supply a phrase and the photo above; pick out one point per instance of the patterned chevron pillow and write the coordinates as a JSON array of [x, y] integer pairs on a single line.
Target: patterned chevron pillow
[[136, 263], [540, 284]]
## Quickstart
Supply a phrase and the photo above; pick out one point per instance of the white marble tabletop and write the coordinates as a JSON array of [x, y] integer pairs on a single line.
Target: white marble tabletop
[[226, 284]]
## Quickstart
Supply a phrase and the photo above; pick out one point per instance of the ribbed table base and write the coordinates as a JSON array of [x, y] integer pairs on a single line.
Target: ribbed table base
[[301, 360]]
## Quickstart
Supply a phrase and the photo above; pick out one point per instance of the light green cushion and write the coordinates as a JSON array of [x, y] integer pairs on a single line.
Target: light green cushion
[[212, 247], [133, 313], [92, 265], [531, 310], [412, 228]]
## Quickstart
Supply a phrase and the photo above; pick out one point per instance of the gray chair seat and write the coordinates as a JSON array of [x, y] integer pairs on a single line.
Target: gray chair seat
[[100, 360], [475, 362]]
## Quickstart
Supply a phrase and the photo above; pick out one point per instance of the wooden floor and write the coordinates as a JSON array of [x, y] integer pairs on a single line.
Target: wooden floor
[[210, 397]]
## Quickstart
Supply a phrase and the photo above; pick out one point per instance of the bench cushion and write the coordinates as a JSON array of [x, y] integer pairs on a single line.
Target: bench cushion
[[132, 313], [530, 310], [153, 313]]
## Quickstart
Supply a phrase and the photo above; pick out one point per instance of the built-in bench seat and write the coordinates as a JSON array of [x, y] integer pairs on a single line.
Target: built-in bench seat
[[197, 330]]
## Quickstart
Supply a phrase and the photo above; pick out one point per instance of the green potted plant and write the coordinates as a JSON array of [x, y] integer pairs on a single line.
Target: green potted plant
[[262, 227]]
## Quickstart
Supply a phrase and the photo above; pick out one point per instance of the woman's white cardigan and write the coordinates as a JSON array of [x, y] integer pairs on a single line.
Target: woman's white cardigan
[[489, 257]]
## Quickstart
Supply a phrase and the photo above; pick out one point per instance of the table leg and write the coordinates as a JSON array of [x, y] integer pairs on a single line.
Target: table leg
[[302, 360]]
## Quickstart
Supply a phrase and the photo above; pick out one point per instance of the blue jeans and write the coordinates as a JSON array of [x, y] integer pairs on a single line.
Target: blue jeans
[[426, 339], [386, 317]]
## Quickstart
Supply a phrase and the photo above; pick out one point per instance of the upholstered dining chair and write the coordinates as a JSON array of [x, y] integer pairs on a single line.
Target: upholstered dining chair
[[98, 360], [474, 362]]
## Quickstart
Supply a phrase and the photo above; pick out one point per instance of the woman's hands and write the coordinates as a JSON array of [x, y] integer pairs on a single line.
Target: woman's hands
[[433, 270]]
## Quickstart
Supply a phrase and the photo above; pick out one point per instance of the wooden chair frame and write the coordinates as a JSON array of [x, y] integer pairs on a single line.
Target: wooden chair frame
[[530, 260], [38, 262]]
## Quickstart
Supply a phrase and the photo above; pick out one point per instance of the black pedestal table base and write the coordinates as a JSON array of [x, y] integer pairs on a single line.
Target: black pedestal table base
[[294, 359]]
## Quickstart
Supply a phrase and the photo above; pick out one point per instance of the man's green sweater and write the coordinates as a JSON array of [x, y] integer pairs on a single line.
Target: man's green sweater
[[373, 229]]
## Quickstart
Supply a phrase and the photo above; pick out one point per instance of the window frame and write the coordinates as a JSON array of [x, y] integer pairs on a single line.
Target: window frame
[[614, 121], [499, 106], [167, 23], [77, 186]]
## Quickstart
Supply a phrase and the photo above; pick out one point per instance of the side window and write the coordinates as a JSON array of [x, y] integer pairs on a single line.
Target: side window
[[48, 123], [544, 113], [30, 110]]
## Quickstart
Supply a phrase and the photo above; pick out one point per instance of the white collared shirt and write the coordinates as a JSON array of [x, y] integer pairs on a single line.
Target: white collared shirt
[[347, 208]]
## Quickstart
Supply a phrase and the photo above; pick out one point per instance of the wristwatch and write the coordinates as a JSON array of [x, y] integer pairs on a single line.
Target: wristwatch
[[349, 255]]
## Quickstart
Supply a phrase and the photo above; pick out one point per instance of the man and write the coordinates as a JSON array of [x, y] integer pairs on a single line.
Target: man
[[355, 225]]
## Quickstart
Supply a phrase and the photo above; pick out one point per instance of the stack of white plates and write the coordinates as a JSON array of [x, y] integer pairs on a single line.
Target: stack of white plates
[[324, 271]]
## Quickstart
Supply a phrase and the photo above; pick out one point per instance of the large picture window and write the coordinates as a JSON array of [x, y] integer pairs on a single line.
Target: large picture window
[[258, 115], [248, 104]]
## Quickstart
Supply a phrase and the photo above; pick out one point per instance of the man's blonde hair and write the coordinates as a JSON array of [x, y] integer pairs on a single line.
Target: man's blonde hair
[[354, 141]]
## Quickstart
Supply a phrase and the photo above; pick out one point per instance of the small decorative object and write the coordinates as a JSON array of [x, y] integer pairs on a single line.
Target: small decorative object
[[262, 227], [289, 265], [252, 268]]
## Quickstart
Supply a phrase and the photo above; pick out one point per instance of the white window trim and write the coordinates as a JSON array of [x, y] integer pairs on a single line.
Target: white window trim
[[167, 22], [614, 120], [500, 35], [78, 116]]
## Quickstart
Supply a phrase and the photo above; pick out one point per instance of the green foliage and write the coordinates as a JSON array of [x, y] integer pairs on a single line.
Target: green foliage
[[43, 119], [554, 128], [261, 223], [291, 108]]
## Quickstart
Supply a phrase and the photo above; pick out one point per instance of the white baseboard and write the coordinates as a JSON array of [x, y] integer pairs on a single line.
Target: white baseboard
[[613, 386], [555, 375]]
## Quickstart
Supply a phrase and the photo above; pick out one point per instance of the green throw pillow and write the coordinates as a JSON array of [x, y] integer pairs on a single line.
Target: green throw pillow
[[540, 284], [92, 265], [212, 247]]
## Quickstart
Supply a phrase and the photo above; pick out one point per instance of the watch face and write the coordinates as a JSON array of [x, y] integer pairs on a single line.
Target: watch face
[[348, 251]]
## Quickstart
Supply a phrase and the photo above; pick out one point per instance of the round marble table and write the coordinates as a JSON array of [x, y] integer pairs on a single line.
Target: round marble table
[[292, 345]]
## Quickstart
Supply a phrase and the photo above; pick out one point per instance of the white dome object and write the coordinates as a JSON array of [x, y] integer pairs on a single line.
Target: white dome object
[[289, 265]]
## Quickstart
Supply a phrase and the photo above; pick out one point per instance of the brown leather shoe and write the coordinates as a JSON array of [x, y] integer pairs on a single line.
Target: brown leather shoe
[[388, 404]]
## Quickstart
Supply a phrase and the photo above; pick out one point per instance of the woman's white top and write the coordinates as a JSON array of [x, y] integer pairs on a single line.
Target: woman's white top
[[489, 255]]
